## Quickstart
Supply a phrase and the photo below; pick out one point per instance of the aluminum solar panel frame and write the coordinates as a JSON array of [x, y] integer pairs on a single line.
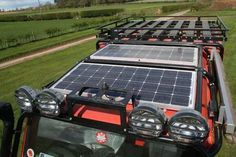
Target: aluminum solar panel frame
[[172, 89], [172, 55]]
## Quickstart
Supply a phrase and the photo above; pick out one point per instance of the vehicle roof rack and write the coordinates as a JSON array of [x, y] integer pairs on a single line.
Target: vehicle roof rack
[[208, 29]]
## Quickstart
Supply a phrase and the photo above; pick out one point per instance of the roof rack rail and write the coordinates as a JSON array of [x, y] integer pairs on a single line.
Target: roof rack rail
[[174, 28]]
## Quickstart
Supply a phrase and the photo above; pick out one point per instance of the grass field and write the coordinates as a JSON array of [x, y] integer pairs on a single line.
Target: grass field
[[129, 8], [34, 46], [16, 29], [38, 28]]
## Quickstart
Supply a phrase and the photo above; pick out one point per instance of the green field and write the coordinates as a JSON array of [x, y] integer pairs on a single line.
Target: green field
[[37, 45], [129, 8], [38, 28], [16, 29]]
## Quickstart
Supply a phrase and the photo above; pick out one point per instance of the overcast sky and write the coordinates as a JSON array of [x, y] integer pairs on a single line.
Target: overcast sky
[[12, 4]]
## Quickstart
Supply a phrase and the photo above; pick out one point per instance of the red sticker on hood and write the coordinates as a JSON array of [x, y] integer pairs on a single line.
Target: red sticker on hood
[[30, 153], [101, 137]]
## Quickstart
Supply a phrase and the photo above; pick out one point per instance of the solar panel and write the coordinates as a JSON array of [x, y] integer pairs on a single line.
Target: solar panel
[[149, 54], [164, 87]]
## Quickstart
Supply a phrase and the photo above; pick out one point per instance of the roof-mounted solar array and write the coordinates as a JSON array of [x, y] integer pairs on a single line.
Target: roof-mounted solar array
[[164, 87], [185, 28], [148, 54]]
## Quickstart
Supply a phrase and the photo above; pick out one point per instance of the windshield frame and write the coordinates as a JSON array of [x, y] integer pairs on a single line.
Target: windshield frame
[[29, 117]]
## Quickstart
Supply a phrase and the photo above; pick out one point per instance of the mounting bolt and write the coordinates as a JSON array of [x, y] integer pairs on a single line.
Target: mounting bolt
[[212, 84]]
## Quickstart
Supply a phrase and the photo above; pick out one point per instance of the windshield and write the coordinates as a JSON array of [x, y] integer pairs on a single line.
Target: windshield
[[53, 138]]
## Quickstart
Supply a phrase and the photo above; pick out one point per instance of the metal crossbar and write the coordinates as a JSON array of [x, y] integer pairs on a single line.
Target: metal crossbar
[[158, 32], [191, 26], [177, 26], [143, 32]]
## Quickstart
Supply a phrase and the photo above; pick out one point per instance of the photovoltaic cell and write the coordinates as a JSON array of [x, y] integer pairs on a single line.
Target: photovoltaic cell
[[149, 54], [160, 86]]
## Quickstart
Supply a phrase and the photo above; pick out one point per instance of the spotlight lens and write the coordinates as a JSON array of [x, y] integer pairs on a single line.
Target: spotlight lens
[[147, 120], [49, 102], [24, 97], [188, 126]]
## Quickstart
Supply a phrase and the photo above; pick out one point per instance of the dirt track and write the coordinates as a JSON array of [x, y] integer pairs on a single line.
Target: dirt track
[[44, 52], [175, 14], [64, 46]]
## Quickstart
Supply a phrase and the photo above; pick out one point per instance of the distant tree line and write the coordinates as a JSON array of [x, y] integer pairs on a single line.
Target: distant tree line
[[85, 3]]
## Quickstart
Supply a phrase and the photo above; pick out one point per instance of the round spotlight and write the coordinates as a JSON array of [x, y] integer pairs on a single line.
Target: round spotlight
[[24, 97], [188, 126], [49, 102], [147, 120]]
